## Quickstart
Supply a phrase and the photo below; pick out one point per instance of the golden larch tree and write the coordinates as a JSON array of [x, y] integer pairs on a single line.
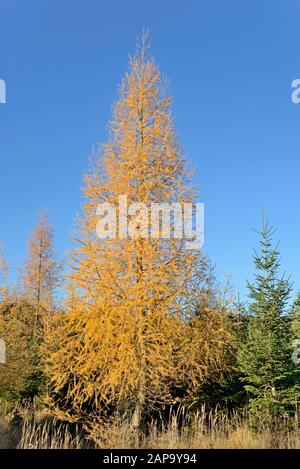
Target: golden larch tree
[[127, 334]]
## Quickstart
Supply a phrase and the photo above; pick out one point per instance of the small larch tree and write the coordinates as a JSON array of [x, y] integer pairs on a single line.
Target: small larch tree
[[24, 317], [41, 272]]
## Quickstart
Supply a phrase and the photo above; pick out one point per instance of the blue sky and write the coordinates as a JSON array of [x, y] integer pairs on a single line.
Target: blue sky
[[230, 64]]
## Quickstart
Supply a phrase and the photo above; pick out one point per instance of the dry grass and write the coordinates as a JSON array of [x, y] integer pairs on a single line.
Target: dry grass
[[181, 430], [49, 435]]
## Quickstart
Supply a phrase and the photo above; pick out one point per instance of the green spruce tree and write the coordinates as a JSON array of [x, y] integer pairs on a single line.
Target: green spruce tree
[[267, 371]]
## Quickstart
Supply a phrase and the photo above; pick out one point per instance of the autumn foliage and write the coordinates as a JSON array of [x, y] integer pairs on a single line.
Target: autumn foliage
[[131, 336]]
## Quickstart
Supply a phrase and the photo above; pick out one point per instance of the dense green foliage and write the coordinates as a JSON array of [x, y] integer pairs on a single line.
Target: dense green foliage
[[21, 377]]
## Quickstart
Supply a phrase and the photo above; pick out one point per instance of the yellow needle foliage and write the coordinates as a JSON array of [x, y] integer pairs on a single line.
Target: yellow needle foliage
[[128, 335]]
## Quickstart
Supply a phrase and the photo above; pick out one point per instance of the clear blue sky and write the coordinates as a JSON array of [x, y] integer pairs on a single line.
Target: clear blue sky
[[231, 65]]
